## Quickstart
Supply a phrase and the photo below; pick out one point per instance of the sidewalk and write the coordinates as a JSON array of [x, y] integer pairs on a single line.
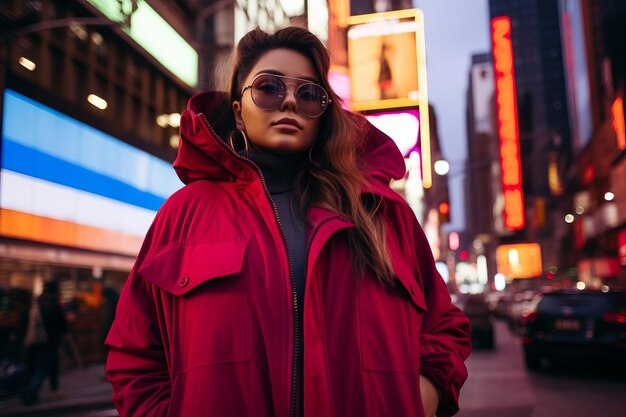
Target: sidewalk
[[84, 388]]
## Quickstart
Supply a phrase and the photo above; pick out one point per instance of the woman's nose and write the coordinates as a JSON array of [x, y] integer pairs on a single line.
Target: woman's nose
[[290, 101]]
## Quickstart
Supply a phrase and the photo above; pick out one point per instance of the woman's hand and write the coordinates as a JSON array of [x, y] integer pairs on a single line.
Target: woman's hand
[[430, 396]]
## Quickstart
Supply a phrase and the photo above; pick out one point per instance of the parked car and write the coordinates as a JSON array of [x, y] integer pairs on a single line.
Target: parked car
[[574, 323], [477, 311]]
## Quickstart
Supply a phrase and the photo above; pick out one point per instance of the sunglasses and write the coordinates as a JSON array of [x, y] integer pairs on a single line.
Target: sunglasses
[[268, 92]]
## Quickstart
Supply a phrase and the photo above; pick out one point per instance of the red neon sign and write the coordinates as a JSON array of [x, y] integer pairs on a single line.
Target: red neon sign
[[510, 161], [621, 247], [617, 110]]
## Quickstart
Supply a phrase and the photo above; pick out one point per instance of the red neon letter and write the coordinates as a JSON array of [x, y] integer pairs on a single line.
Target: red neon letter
[[510, 161]]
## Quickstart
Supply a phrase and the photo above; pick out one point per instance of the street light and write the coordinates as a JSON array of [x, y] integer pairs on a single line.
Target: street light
[[442, 167]]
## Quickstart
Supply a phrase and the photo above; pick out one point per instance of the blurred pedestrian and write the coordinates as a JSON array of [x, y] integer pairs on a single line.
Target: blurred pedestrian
[[47, 324], [107, 312], [286, 276]]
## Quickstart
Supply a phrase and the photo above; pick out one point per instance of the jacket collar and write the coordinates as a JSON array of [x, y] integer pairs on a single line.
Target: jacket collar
[[203, 152]]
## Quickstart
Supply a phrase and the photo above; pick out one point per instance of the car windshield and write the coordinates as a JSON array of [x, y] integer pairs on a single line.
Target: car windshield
[[582, 302]]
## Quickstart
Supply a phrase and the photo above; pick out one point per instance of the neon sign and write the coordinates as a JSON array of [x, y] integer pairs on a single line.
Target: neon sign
[[156, 36], [617, 110], [387, 68], [510, 161]]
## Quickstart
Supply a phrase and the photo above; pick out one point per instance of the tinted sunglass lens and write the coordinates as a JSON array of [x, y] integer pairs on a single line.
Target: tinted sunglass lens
[[312, 100], [268, 92]]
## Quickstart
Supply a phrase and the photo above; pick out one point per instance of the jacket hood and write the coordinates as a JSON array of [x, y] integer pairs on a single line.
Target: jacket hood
[[203, 152]]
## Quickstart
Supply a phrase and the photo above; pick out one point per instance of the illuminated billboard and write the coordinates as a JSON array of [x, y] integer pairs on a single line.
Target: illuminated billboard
[[384, 51], [403, 126], [154, 35], [522, 260], [387, 68], [63, 182], [617, 113], [508, 132]]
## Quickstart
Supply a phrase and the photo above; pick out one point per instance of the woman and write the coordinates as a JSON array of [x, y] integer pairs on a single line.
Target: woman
[[286, 278]]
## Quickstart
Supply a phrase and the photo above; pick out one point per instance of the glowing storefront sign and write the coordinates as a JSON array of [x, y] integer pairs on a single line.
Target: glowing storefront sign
[[522, 260], [510, 160], [590, 269], [617, 110], [156, 36]]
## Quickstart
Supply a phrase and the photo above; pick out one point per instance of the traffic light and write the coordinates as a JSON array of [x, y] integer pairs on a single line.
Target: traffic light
[[444, 212], [551, 272]]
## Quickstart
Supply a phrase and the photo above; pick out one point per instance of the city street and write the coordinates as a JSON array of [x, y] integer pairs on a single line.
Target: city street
[[500, 386]]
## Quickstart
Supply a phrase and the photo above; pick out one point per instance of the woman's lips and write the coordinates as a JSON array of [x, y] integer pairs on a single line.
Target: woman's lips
[[286, 129], [287, 123]]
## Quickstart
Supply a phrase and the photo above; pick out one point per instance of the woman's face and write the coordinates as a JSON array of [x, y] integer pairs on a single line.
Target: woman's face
[[284, 129]]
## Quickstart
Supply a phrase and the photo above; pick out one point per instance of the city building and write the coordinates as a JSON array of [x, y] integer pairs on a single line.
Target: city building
[[593, 35], [534, 91], [483, 205]]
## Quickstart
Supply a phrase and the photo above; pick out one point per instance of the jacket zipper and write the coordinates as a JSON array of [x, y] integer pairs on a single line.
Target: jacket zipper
[[297, 328]]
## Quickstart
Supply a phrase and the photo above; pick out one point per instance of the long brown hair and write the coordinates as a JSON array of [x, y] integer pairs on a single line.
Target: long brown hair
[[334, 180]]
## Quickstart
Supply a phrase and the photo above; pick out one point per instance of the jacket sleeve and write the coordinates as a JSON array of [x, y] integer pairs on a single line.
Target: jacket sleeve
[[445, 338], [137, 361]]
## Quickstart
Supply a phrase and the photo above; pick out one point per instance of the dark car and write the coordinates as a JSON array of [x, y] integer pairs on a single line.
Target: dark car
[[477, 311], [574, 323]]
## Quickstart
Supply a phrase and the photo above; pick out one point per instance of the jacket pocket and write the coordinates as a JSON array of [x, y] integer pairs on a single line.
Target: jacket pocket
[[180, 269], [206, 303], [390, 321]]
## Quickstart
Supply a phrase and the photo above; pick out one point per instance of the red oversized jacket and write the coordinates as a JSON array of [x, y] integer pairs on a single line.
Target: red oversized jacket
[[205, 324]]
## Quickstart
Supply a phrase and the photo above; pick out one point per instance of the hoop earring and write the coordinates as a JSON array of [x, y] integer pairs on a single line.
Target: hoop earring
[[230, 140], [245, 141]]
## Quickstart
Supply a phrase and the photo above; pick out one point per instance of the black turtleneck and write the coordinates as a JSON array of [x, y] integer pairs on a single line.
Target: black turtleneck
[[279, 172]]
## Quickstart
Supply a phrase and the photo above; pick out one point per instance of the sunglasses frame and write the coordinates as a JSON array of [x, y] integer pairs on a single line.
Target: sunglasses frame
[[281, 77]]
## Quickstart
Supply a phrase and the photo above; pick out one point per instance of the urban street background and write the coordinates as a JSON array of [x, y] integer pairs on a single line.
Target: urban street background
[[509, 114]]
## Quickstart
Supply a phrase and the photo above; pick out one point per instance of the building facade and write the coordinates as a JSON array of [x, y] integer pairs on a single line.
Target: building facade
[[594, 33], [483, 205], [543, 123]]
